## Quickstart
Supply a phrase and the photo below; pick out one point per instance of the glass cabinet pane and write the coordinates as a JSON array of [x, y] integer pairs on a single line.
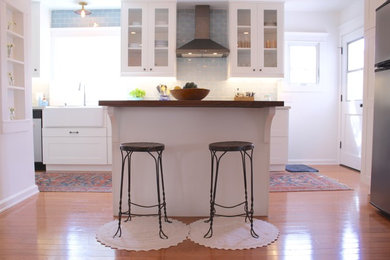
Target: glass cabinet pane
[[135, 38], [270, 38], [161, 37], [244, 38]]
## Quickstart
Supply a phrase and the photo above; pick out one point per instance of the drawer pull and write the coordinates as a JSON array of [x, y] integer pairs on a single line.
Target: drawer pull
[[73, 132]]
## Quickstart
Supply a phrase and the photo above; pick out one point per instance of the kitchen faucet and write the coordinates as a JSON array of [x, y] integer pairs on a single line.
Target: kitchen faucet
[[84, 95]]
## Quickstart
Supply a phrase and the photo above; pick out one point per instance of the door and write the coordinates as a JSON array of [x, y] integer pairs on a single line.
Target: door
[[243, 38], [352, 99], [269, 38], [134, 37], [162, 37]]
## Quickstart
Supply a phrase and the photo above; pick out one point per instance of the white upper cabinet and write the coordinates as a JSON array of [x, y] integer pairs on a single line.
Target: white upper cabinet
[[256, 39], [148, 38]]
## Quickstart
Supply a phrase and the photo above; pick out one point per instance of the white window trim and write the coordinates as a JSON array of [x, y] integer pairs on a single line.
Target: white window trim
[[301, 39]]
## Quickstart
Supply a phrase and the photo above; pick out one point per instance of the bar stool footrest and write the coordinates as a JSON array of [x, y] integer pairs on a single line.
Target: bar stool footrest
[[230, 207]]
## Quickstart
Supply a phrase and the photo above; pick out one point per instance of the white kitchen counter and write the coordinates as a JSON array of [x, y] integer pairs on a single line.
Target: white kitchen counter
[[186, 129]]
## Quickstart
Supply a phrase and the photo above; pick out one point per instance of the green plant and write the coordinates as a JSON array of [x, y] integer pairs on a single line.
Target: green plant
[[137, 93]]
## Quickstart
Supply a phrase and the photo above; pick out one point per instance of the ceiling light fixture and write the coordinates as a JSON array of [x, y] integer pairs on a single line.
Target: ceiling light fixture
[[82, 12]]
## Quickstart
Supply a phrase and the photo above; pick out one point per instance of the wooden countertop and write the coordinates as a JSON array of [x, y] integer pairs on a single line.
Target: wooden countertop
[[190, 103]]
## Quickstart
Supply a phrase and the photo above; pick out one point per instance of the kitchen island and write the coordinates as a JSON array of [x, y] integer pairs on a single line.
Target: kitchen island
[[186, 128]]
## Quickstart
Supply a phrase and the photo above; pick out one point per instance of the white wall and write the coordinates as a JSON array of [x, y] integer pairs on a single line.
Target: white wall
[[17, 180], [313, 133]]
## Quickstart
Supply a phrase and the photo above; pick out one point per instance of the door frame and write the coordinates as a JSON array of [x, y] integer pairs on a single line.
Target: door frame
[[353, 35]]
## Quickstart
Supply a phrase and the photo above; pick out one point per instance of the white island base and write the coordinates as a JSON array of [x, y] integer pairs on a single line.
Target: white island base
[[186, 133]]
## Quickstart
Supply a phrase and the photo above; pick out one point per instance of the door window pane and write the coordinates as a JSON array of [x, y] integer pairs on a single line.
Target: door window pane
[[135, 38], [244, 37], [355, 63]]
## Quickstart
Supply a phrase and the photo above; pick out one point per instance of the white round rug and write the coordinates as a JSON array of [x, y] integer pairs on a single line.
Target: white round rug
[[233, 233], [142, 234]]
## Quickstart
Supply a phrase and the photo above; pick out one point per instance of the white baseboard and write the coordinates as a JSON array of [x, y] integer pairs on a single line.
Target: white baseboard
[[75, 168], [18, 197], [277, 167], [313, 162]]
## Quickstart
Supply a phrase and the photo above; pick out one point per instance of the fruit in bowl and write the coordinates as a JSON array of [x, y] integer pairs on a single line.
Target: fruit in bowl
[[190, 91]]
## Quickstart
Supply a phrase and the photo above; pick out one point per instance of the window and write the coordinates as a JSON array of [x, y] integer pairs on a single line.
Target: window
[[84, 59], [355, 63], [303, 63]]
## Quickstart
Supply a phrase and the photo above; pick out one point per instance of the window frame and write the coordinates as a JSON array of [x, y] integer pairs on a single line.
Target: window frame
[[302, 38], [317, 69]]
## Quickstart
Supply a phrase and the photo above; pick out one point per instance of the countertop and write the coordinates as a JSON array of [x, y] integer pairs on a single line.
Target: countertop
[[190, 103]]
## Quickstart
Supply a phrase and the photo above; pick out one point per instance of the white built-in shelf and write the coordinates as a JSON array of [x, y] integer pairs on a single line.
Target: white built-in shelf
[[14, 34], [270, 27], [15, 61], [161, 48], [244, 48], [15, 87], [270, 49], [243, 26]]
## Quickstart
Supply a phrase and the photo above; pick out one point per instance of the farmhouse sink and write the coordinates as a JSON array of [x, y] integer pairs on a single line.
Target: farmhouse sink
[[77, 116]]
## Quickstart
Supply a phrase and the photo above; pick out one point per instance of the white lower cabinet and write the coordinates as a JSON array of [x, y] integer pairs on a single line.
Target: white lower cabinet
[[279, 139], [74, 146], [76, 139]]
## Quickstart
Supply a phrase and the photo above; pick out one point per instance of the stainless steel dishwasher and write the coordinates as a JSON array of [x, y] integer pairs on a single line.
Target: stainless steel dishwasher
[[37, 131]]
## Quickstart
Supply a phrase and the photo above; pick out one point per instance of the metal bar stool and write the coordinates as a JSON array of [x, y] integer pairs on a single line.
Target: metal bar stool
[[127, 149], [246, 150]]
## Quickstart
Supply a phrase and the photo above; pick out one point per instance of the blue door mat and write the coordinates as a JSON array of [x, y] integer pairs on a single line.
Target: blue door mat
[[299, 168]]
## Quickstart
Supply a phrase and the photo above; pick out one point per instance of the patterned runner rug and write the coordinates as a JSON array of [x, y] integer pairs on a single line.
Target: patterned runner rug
[[101, 182], [303, 181], [74, 181]]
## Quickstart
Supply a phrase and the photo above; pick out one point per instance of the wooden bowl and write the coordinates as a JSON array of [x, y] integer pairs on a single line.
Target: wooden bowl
[[190, 93]]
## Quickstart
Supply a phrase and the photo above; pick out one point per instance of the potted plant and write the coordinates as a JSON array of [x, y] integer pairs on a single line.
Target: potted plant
[[137, 94]]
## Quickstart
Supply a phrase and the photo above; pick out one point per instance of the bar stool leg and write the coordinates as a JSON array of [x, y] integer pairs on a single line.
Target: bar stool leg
[[163, 189], [212, 207], [253, 233], [119, 230], [243, 156], [211, 184], [129, 184], [161, 232]]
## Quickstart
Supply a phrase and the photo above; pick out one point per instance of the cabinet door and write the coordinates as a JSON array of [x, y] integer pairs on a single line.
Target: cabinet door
[[74, 150], [161, 41], [270, 39], [243, 31], [134, 37]]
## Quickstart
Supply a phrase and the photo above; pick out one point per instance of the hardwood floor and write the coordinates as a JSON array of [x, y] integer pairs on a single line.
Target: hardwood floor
[[313, 225]]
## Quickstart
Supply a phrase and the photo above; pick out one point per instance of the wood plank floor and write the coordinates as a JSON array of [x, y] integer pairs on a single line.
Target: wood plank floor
[[313, 225]]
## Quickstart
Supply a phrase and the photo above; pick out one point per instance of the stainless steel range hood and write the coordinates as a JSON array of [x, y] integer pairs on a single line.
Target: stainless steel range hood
[[202, 46]]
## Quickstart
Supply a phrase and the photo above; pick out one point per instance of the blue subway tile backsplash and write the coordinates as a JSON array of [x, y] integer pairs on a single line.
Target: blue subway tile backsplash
[[101, 18]]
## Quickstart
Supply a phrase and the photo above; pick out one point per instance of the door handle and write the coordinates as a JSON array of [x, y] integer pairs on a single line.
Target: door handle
[[361, 105], [73, 132]]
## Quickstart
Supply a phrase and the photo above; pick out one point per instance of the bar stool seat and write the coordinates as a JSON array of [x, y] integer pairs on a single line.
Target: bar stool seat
[[218, 150], [155, 151], [231, 146], [142, 147]]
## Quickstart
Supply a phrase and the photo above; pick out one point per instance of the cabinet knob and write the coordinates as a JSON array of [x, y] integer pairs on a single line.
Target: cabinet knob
[[361, 105], [260, 69], [73, 132], [144, 69], [254, 69], [150, 69]]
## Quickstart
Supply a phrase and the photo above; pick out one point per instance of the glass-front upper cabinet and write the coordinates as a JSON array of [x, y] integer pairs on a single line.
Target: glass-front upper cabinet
[[256, 40], [148, 38]]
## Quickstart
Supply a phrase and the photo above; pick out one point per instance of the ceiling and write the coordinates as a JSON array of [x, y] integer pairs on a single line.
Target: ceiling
[[290, 5]]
